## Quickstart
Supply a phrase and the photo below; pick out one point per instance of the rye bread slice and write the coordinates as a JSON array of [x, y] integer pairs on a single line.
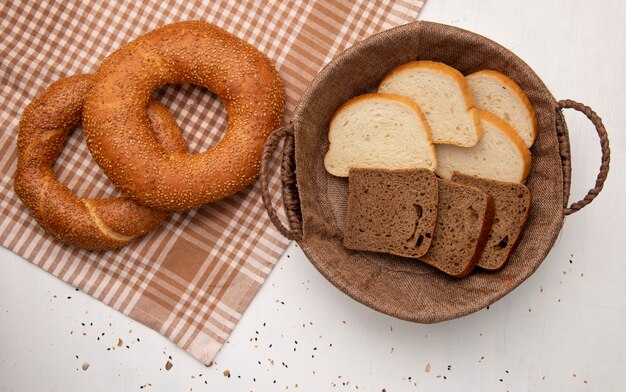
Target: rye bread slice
[[512, 205], [464, 218], [391, 211]]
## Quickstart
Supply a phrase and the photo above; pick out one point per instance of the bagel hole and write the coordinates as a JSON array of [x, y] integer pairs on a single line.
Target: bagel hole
[[199, 113], [76, 169]]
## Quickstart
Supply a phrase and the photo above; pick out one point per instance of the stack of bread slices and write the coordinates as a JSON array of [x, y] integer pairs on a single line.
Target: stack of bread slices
[[436, 163]]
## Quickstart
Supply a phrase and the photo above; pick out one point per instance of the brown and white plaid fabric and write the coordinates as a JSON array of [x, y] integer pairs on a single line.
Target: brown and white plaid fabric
[[192, 278]]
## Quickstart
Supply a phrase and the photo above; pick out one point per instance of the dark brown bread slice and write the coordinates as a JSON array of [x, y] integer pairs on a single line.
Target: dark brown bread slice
[[512, 205], [464, 219], [391, 211]]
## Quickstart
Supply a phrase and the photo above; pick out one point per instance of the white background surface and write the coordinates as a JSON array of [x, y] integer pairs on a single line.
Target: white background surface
[[562, 329]]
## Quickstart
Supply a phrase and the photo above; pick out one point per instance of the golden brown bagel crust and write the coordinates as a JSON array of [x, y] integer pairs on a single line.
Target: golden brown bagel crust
[[186, 52], [95, 224]]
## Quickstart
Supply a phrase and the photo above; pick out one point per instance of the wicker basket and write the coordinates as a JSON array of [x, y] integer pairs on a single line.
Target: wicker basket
[[315, 208]]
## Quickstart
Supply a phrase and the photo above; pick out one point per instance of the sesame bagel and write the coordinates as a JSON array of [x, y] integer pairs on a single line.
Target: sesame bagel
[[186, 52], [95, 224]]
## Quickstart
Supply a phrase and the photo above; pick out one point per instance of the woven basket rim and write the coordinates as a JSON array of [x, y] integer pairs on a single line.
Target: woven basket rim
[[312, 253]]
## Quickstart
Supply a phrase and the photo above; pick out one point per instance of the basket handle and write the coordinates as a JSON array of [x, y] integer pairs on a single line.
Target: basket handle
[[565, 152], [291, 199]]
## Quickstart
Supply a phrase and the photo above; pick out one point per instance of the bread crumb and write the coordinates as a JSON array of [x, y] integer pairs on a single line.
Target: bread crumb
[[427, 369]]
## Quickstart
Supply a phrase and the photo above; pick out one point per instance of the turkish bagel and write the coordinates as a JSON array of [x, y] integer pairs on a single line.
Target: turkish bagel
[[120, 139], [95, 224]]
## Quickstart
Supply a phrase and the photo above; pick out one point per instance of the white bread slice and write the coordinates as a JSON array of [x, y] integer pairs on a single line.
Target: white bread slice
[[500, 95], [380, 131], [500, 154], [443, 95]]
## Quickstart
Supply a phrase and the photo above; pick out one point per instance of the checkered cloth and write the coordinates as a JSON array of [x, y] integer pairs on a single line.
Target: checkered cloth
[[192, 278]]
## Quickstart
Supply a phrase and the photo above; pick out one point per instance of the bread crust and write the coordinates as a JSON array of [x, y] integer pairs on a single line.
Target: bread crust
[[95, 224], [513, 136], [517, 90], [185, 52], [482, 237], [460, 81]]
